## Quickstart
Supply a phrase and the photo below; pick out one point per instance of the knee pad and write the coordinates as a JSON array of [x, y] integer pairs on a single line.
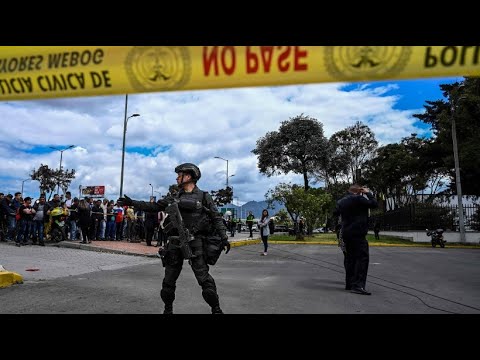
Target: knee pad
[[210, 296]]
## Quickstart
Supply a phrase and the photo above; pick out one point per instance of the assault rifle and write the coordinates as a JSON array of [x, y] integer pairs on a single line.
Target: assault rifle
[[184, 236]]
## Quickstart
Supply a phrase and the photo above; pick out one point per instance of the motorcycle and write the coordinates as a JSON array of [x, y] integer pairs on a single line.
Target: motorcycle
[[437, 237], [58, 226]]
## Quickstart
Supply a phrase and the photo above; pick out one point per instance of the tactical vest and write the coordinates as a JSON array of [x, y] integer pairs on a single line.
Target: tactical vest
[[194, 216]]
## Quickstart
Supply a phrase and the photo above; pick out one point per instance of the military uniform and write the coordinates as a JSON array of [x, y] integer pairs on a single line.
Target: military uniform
[[202, 219]]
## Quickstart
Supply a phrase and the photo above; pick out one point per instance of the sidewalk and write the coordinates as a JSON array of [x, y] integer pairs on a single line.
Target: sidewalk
[[141, 249]]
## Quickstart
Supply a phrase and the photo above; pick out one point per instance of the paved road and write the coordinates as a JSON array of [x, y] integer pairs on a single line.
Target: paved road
[[292, 279]]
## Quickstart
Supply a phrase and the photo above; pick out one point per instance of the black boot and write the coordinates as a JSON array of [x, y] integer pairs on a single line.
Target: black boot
[[217, 310], [168, 309]]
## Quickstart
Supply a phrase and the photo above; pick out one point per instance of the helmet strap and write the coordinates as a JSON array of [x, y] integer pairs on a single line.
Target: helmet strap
[[182, 183]]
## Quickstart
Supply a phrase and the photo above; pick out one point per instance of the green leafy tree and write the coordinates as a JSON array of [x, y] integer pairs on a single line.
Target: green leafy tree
[[336, 191], [222, 196], [402, 170], [49, 179], [353, 147], [337, 165], [283, 217], [283, 194], [299, 146], [313, 205], [462, 102]]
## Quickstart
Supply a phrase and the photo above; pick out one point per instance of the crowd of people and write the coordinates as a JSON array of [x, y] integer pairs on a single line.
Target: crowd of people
[[199, 237], [25, 221]]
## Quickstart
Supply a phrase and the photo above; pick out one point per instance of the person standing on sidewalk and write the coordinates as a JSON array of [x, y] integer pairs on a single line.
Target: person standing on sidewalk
[[84, 220], [264, 230], [38, 220], [249, 222], [203, 221], [353, 209]]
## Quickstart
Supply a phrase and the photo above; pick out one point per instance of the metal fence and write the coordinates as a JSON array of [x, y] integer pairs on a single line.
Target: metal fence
[[421, 216]]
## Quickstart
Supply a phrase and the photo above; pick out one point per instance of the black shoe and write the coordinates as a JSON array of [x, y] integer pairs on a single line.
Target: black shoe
[[168, 310], [348, 287], [217, 310], [360, 291], [41, 244]]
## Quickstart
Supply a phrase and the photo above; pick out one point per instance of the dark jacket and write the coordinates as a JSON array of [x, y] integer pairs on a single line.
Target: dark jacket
[[7, 207], [354, 212], [191, 207]]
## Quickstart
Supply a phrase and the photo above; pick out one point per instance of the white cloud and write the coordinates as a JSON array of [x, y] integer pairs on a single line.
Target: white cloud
[[193, 127]]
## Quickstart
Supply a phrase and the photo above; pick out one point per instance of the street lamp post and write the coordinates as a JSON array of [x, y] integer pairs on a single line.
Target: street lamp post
[[61, 157], [152, 188], [23, 182], [125, 122], [218, 157], [454, 102]]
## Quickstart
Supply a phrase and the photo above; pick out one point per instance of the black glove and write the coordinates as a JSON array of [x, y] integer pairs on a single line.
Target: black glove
[[225, 244], [124, 201]]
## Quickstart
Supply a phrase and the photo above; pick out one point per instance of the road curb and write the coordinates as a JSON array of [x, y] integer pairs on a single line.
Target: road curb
[[428, 245], [100, 249], [244, 242], [8, 278]]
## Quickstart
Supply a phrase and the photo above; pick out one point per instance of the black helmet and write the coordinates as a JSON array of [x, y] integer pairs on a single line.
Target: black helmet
[[191, 169]]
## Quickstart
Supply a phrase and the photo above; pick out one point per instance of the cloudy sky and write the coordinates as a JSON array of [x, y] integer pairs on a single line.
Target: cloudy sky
[[192, 126]]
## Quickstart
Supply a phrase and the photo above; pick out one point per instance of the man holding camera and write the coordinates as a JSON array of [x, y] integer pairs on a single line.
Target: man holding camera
[[353, 208]]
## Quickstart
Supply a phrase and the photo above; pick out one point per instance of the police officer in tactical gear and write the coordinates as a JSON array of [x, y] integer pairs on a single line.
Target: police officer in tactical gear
[[202, 220]]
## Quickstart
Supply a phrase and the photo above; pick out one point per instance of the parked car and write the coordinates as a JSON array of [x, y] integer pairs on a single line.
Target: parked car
[[254, 228], [320, 230], [280, 228]]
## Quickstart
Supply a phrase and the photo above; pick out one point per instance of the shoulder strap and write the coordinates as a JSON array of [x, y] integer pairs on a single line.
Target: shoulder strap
[[204, 202]]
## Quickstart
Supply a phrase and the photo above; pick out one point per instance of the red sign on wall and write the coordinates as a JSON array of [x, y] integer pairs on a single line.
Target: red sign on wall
[[93, 191]]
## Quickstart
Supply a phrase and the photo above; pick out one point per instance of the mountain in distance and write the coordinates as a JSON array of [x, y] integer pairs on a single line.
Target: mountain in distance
[[256, 207]]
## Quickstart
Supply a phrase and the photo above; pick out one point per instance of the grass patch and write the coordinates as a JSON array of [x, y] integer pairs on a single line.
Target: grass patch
[[385, 240]]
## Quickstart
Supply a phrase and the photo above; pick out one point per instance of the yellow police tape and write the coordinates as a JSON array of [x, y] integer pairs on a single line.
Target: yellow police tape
[[46, 72]]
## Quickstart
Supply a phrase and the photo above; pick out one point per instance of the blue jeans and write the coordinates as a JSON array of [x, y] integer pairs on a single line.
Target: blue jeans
[[39, 226], [103, 227], [25, 228], [110, 232], [73, 230], [12, 223]]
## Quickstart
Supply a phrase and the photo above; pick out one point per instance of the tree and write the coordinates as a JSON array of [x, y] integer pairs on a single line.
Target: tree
[[51, 178], [222, 196], [337, 167], [313, 204], [299, 146], [354, 146], [401, 171], [283, 194], [462, 102], [283, 217]]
